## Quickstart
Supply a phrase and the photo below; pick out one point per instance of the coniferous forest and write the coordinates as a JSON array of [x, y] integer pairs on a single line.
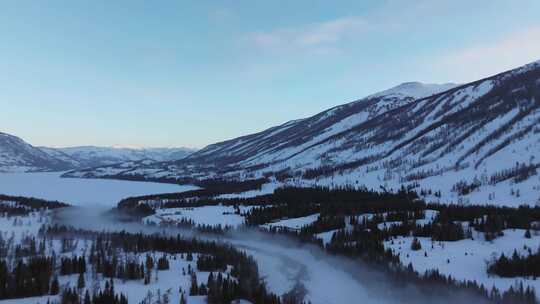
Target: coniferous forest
[[364, 238]]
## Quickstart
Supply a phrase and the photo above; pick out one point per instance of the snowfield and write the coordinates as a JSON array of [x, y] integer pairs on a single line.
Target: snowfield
[[463, 260], [468, 259], [20, 227], [163, 282], [293, 223], [283, 264], [79, 192], [205, 215]]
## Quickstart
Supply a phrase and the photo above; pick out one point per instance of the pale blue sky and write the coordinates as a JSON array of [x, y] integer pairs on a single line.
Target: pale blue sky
[[179, 73]]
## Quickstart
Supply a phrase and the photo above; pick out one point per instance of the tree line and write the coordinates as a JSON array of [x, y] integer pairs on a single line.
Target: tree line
[[247, 283], [19, 205]]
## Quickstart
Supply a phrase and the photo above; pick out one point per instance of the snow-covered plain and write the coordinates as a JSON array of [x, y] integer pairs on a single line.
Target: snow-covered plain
[[163, 282], [293, 223], [205, 215], [79, 192], [468, 259], [282, 263]]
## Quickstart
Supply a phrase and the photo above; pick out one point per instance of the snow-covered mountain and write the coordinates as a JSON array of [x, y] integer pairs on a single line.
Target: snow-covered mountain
[[92, 156], [16, 155], [320, 126], [415, 89], [478, 143]]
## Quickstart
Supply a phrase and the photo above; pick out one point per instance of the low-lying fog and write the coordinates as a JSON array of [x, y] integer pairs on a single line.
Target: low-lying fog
[[79, 191], [283, 263]]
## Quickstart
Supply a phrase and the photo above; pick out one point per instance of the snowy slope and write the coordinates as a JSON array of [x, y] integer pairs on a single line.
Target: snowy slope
[[282, 141], [465, 142], [16, 155], [415, 89]]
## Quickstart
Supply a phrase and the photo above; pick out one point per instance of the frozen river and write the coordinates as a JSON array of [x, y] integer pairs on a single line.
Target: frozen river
[[78, 191]]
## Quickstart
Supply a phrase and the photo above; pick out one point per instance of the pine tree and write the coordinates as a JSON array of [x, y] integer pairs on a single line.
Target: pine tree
[[55, 286], [194, 289], [416, 245], [80, 281], [87, 299], [183, 299]]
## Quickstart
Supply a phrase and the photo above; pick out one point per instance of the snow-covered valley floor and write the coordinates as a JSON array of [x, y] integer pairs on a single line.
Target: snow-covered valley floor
[[463, 260], [468, 259], [77, 191], [283, 263], [163, 282]]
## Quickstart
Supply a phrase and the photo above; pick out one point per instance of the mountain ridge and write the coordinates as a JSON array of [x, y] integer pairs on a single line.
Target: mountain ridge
[[16, 155], [456, 143], [93, 156]]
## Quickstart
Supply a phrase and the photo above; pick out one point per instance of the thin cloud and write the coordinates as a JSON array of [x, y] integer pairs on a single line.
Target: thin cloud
[[320, 37], [484, 60], [220, 14]]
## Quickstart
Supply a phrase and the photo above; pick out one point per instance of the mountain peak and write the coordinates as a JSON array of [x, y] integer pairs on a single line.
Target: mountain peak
[[416, 89]]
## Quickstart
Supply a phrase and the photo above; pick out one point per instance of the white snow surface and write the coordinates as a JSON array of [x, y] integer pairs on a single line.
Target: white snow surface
[[121, 154], [416, 89], [205, 215], [293, 223], [80, 192], [166, 282], [468, 259]]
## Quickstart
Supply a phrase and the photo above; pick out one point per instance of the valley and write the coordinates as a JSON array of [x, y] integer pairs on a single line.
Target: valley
[[474, 143], [421, 193], [299, 245], [79, 192], [270, 152]]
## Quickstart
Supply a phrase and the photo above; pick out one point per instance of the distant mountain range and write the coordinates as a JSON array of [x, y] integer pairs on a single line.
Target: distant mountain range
[[16, 155], [477, 143], [92, 156]]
